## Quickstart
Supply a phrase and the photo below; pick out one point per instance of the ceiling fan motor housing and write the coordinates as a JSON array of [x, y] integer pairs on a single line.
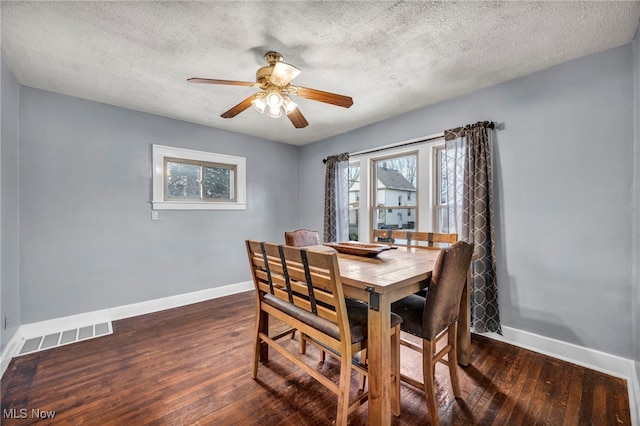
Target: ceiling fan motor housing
[[273, 57], [263, 74]]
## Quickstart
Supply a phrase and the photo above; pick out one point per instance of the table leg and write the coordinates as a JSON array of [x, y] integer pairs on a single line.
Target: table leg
[[379, 363], [464, 324]]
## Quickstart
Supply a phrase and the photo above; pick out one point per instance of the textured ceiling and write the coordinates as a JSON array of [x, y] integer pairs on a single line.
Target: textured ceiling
[[390, 57]]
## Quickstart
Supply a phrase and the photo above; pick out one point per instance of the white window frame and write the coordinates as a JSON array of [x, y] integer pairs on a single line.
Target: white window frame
[[358, 198], [425, 190], [438, 150], [390, 206], [160, 152]]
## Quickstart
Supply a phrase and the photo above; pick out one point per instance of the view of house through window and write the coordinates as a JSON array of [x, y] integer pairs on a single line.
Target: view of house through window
[[398, 188], [395, 192]]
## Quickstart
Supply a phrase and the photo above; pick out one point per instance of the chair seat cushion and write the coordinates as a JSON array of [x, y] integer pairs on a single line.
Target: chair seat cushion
[[357, 312], [358, 316], [411, 310]]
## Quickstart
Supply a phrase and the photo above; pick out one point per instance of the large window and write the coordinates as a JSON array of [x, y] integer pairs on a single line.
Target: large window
[[395, 188], [395, 181], [185, 179]]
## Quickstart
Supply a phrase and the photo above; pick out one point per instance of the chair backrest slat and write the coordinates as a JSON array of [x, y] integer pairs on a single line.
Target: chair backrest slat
[[413, 238], [285, 273], [266, 266], [308, 281]]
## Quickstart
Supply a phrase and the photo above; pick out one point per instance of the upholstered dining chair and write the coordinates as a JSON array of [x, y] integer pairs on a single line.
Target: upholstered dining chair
[[407, 238], [303, 289], [435, 316], [302, 238]]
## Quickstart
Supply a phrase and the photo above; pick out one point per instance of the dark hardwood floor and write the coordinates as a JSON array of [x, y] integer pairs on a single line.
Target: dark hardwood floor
[[191, 365]]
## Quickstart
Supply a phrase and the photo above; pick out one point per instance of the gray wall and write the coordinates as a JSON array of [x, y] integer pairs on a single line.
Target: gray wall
[[9, 199], [86, 234], [563, 194]]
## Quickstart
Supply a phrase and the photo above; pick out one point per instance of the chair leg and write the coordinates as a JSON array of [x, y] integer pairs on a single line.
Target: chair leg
[[261, 320], [428, 374], [303, 343], [343, 391], [395, 371], [452, 358]]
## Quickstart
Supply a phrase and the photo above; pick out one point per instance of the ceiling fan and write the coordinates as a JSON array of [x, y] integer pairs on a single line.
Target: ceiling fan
[[275, 82]]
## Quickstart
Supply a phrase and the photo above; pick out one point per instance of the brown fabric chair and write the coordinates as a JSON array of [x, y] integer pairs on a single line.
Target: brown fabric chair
[[302, 238], [436, 316], [303, 289], [426, 240]]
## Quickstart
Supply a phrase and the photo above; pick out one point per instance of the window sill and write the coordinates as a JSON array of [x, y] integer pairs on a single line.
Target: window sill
[[182, 205]]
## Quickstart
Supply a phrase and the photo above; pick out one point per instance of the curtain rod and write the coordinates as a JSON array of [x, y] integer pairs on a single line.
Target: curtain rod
[[398, 145], [490, 125]]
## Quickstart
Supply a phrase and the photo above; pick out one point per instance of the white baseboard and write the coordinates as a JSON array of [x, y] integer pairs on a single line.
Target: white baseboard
[[27, 331], [600, 361], [157, 305], [10, 349]]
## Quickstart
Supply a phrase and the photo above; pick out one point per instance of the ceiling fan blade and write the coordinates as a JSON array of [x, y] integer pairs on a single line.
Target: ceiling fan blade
[[283, 73], [226, 82], [297, 119], [240, 107], [326, 97]]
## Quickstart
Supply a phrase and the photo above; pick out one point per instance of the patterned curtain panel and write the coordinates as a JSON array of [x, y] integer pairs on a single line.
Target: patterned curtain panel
[[336, 199], [470, 206]]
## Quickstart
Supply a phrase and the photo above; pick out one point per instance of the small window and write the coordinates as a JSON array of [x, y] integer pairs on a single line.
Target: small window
[[195, 180]]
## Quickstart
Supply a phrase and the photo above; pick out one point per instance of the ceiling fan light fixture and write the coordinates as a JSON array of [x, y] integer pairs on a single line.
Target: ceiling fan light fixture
[[274, 100], [288, 105], [259, 103], [274, 112]]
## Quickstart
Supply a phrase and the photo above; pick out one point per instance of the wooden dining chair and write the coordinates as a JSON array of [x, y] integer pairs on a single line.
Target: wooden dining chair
[[434, 317], [302, 238], [303, 289], [408, 238]]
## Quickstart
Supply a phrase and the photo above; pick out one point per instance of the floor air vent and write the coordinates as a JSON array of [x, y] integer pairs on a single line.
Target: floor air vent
[[54, 340]]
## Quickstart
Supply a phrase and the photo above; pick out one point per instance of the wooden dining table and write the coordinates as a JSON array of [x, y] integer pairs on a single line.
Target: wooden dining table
[[379, 281]]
